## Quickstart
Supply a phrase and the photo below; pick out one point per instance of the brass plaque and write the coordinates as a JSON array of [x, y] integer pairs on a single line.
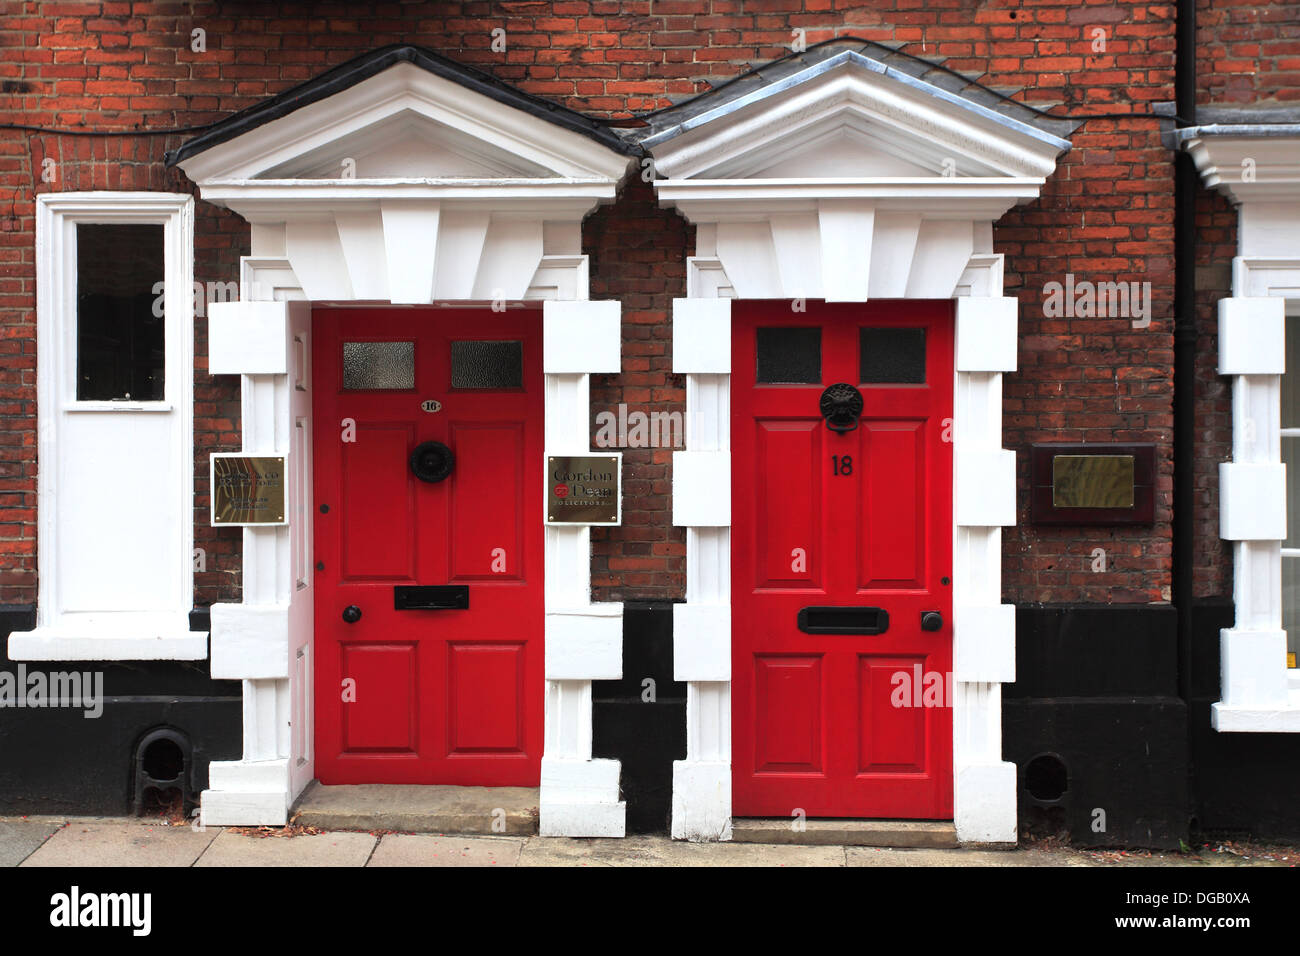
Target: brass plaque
[[248, 490], [582, 489], [1092, 481]]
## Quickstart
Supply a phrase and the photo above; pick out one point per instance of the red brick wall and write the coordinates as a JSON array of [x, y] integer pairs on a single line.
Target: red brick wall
[[1247, 53], [1106, 215]]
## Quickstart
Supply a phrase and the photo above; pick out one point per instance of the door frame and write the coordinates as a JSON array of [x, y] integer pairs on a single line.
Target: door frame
[[265, 641], [985, 786]]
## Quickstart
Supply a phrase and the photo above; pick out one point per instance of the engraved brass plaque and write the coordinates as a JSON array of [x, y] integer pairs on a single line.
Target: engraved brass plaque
[[582, 489], [1092, 481], [248, 490]]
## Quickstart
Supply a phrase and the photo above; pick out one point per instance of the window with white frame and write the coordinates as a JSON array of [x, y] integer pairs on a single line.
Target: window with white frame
[[115, 505]]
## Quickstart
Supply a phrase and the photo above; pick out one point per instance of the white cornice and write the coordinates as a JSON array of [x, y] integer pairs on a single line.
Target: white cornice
[[1248, 167]]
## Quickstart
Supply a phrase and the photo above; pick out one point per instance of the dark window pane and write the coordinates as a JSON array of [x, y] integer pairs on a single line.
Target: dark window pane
[[892, 355], [119, 314], [487, 365], [374, 365], [789, 356]]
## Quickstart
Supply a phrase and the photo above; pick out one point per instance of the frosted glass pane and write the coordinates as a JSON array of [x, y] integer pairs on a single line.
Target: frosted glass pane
[[892, 355], [789, 356], [487, 364], [378, 365]]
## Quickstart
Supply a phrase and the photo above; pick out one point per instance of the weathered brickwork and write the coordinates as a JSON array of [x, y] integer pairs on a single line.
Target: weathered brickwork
[[1106, 216]]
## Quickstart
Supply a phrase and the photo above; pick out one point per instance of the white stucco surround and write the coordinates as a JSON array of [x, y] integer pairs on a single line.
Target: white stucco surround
[[848, 182], [1259, 169], [457, 199]]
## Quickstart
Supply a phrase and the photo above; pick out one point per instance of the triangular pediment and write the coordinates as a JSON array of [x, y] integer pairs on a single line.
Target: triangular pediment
[[404, 113], [845, 115]]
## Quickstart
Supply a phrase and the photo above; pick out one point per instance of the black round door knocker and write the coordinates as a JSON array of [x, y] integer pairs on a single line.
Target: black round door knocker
[[432, 461], [841, 405]]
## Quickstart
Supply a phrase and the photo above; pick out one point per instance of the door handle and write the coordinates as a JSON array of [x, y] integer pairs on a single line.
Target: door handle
[[352, 614], [931, 620]]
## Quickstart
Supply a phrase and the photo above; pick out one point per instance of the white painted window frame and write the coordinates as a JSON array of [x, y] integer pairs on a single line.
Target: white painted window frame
[[124, 633]]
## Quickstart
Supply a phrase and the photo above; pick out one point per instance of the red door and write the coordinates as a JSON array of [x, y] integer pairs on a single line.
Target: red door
[[429, 605], [841, 543]]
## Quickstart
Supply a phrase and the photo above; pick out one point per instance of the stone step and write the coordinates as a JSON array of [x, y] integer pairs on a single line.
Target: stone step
[[914, 834], [411, 808]]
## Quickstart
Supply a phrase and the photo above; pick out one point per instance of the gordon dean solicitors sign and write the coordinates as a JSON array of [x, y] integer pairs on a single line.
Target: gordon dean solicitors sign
[[582, 489]]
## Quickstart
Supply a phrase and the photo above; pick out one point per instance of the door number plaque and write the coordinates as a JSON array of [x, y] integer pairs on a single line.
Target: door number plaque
[[248, 490], [583, 489]]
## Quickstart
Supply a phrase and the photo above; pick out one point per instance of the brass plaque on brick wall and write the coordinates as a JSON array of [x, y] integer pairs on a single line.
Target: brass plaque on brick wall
[[1092, 481], [248, 490], [582, 489]]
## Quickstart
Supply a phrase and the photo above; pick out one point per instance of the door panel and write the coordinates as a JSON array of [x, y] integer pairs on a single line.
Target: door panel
[[824, 716], [422, 695]]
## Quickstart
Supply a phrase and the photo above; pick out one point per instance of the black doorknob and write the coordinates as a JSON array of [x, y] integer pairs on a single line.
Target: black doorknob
[[352, 614], [931, 620]]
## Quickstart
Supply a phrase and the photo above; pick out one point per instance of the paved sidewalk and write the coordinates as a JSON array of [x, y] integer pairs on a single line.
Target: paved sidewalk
[[98, 841]]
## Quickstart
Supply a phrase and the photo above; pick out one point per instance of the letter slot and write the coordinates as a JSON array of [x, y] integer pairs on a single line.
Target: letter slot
[[843, 620], [431, 597]]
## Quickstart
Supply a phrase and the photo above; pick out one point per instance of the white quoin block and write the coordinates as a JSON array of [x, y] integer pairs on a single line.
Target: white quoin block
[[986, 488], [702, 642], [250, 641], [984, 643], [585, 644], [1252, 500], [248, 338], [702, 489], [986, 334], [581, 337], [984, 803], [701, 800], [579, 798], [702, 336], [1252, 336], [1252, 668]]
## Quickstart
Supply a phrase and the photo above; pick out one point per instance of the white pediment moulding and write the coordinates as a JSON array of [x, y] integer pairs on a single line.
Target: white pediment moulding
[[407, 122], [859, 115]]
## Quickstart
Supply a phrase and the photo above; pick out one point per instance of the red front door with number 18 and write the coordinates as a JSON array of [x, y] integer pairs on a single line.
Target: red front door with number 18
[[841, 560]]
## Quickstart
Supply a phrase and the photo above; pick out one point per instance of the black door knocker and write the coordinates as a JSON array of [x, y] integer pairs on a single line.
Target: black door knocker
[[841, 405], [432, 461]]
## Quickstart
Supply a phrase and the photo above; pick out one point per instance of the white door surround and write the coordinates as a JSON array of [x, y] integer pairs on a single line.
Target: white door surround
[[848, 181], [418, 184], [1258, 168]]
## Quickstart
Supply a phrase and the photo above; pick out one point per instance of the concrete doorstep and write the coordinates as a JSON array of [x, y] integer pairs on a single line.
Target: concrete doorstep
[[495, 811]]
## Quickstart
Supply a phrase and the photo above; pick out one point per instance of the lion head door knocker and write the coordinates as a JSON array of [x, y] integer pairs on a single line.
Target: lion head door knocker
[[841, 405], [432, 461]]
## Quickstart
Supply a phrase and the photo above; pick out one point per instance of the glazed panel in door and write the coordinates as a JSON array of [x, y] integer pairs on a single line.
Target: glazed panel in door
[[841, 560], [441, 686]]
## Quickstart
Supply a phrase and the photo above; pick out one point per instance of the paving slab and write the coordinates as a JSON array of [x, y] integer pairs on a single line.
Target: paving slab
[[885, 856], [321, 849], [408, 808], [895, 833], [125, 843], [427, 849], [658, 851], [19, 838]]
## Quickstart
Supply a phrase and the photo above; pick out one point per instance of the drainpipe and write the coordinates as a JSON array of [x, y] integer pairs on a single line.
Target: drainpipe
[[1186, 184]]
